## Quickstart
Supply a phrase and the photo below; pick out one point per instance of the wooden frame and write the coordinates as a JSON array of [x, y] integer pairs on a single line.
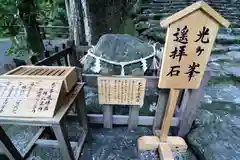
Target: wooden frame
[[186, 105]]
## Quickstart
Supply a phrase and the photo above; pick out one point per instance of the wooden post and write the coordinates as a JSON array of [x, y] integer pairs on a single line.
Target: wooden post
[[133, 117], [159, 114], [192, 104], [172, 101], [107, 116]]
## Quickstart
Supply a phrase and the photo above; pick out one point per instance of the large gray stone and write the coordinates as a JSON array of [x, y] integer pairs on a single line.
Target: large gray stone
[[119, 48]]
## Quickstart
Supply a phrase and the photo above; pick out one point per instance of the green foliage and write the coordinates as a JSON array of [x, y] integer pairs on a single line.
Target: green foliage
[[8, 18], [20, 20], [19, 47], [47, 12]]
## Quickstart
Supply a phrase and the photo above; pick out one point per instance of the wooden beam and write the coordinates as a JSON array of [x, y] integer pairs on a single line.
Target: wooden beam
[[172, 101], [165, 152], [123, 119], [161, 103], [133, 117], [193, 103], [107, 116], [91, 80], [146, 143], [56, 56]]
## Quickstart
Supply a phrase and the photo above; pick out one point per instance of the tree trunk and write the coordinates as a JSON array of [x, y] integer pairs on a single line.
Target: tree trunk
[[71, 35], [87, 21], [27, 14], [76, 22]]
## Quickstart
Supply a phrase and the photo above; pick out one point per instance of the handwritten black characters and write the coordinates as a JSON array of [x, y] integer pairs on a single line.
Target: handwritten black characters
[[201, 35], [199, 50], [174, 71], [192, 70], [181, 36], [178, 53]]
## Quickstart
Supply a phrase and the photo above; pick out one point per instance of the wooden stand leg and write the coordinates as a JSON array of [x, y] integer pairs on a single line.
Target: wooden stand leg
[[172, 101], [62, 137], [80, 108], [162, 101], [133, 117], [8, 147]]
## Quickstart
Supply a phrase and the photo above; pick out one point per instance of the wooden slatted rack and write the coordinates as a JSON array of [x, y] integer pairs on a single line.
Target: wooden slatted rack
[[67, 74]]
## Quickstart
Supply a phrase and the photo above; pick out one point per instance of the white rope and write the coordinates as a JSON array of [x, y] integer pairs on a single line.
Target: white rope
[[97, 67], [119, 63]]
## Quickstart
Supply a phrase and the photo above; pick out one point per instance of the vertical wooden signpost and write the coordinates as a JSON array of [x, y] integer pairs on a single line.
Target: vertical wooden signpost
[[190, 37]]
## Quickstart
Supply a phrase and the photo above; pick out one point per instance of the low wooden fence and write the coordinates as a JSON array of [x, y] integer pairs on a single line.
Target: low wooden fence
[[185, 111]]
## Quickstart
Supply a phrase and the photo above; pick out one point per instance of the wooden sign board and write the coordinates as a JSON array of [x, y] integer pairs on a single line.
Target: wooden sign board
[[121, 91], [29, 98], [190, 37]]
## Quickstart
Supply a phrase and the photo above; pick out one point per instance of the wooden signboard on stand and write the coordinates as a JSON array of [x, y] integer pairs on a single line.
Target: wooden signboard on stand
[[29, 98], [190, 37], [121, 91]]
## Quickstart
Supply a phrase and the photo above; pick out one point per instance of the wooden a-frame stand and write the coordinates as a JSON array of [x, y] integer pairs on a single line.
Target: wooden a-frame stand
[[164, 143]]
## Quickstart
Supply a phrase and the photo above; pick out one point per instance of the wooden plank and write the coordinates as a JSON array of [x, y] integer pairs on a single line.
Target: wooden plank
[[107, 116], [159, 113], [123, 119], [165, 152], [172, 100], [50, 60], [32, 142], [81, 110], [52, 143], [177, 144], [36, 71], [192, 8], [42, 71], [20, 71], [60, 132], [184, 61], [133, 117], [192, 105], [180, 110], [56, 71], [25, 72], [61, 73], [32, 71], [48, 72], [91, 79], [15, 70], [70, 78], [80, 145], [146, 143]]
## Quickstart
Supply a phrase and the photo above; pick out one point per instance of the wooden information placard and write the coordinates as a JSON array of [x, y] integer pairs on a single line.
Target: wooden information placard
[[121, 91], [29, 98], [190, 37]]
